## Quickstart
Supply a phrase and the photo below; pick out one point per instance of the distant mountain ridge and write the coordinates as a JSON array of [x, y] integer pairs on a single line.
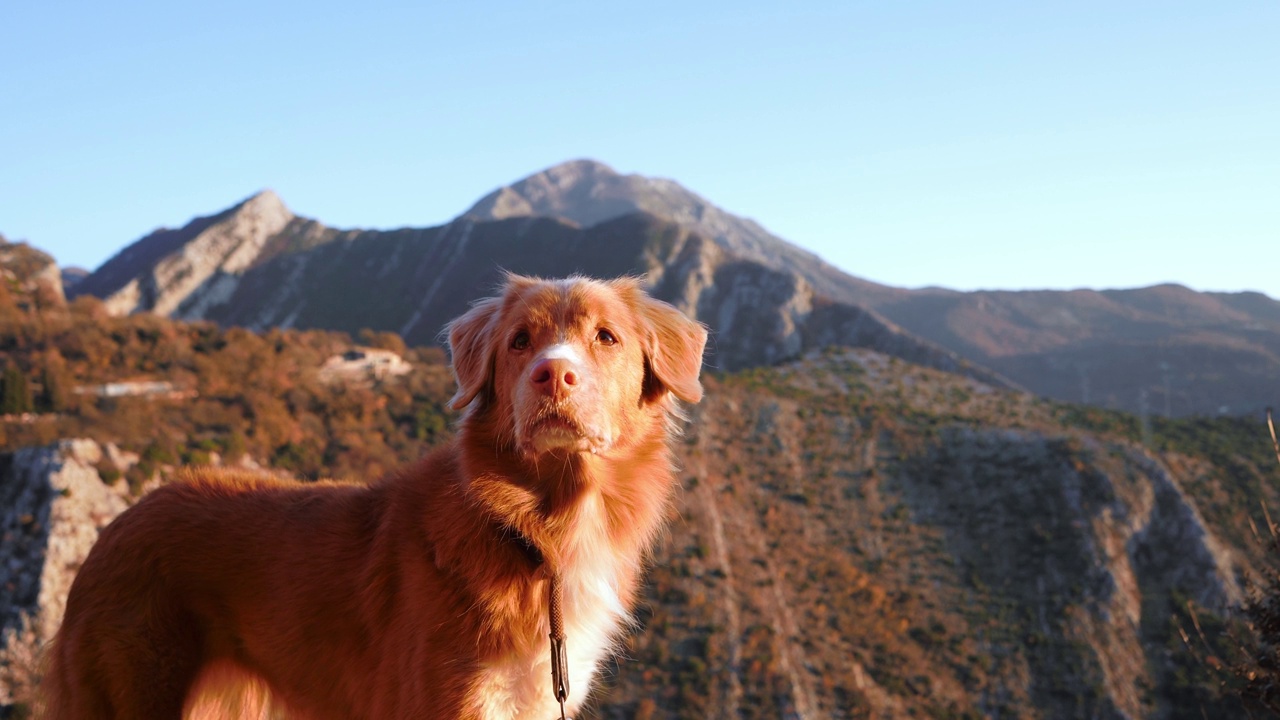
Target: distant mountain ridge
[[1161, 350], [259, 265], [1164, 349]]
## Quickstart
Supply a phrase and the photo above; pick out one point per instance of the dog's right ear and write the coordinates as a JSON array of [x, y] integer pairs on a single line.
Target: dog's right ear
[[673, 351], [472, 351]]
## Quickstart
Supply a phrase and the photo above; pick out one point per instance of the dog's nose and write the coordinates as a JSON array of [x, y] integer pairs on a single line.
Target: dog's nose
[[553, 375]]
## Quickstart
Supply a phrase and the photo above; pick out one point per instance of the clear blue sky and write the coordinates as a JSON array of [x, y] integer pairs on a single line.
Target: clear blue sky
[[998, 145]]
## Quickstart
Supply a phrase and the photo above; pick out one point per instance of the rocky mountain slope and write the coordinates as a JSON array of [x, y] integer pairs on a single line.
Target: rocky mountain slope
[[856, 536], [258, 266], [860, 537], [1163, 350], [168, 269], [586, 192]]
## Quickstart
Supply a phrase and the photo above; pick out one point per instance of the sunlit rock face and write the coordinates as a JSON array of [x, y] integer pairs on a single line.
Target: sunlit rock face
[[53, 503]]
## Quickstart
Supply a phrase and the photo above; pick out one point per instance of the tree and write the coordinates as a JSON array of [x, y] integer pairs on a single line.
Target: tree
[[53, 384], [15, 395]]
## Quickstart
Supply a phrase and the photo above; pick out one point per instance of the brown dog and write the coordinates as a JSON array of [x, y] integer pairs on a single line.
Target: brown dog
[[424, 594]]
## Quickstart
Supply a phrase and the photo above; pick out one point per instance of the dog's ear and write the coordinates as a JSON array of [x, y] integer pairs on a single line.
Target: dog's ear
[[472, 351], [673, 350]]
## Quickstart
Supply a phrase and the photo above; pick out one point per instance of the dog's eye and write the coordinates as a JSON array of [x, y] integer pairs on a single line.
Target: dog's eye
[[520, 341], [604, 337]]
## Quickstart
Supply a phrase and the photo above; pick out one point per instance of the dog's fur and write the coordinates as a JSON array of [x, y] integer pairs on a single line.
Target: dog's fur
[[423, 594]]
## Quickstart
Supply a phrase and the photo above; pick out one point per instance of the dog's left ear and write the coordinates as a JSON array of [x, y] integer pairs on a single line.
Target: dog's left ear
[[673, 350], [472, 352]]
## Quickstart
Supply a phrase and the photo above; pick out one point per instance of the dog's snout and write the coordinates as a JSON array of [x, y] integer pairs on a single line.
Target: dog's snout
[[552, 375]]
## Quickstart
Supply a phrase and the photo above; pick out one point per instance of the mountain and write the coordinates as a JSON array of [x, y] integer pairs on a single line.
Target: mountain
[[586, 192], [881, 531], [169, 268], [1156, 351], [72, 275], [257, 265], [1164, 350]]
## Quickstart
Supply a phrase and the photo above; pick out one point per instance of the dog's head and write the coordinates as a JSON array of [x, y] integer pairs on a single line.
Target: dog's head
[[574, 365]]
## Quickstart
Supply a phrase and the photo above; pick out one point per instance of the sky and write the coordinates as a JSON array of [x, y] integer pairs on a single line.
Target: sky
[[1005, 145]]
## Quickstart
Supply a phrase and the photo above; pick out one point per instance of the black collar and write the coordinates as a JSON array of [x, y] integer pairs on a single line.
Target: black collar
[[527, 549]]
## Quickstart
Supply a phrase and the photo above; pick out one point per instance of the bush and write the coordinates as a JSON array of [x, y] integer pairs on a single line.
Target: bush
[[15, 395]]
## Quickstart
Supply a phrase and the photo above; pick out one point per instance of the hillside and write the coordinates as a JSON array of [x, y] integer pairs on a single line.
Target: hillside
[[857, 536], [1157, 351]]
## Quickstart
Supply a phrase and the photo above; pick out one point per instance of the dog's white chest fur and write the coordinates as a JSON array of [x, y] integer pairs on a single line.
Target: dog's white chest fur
[[518, 687]]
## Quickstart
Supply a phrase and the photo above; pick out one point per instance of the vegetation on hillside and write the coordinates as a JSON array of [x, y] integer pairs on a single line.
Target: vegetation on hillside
[[232, 393], [855, 535], [892, 538]]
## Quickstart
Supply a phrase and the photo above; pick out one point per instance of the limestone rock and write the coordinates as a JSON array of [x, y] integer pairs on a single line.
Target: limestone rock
[[53, 504]]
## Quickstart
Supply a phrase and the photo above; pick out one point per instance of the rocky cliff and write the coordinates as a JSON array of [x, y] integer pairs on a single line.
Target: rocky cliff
[[52, 505], [1109, 529]]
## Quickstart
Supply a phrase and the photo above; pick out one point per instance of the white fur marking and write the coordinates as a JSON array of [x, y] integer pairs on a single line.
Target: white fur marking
[[519, 688], [563, 351]]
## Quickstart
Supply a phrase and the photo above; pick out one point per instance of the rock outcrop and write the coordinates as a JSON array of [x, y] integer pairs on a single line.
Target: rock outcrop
[[30, 277], [53, 503], [1084, 535]]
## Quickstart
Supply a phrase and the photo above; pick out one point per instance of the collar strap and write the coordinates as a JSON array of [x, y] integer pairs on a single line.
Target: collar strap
[[559, 655], [555, 612], [523, 545]]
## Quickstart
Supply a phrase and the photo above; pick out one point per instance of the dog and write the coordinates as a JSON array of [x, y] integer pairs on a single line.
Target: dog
[[425, 593]]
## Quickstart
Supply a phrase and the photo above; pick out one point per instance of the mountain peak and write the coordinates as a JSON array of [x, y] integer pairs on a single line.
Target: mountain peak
[[158, 272], [584, 192], [263, 202], [588, 192], [581, 168]]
